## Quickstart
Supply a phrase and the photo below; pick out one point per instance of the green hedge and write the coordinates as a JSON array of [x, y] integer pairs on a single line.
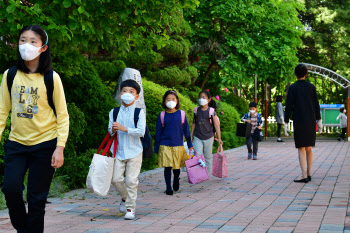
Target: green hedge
[[229, 117], [93, 98]]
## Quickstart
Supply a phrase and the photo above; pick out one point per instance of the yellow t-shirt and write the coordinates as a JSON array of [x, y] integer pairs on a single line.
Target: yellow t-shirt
[[33, 120]]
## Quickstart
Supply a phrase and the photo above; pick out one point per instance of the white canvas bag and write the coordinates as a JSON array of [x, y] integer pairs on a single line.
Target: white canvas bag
[[101, 169]]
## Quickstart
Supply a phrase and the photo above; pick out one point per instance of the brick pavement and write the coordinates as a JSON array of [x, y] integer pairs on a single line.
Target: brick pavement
[[258, 196]]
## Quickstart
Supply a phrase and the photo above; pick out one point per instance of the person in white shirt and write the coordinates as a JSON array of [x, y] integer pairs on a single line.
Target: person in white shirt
[[128, 157], [343, 123]]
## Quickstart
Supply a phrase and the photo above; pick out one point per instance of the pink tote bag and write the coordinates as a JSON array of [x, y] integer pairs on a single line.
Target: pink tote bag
[[195, 172], [219, 164]]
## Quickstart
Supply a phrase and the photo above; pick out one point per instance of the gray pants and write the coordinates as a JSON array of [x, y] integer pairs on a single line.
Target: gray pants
[[251, 140], [205, 147]]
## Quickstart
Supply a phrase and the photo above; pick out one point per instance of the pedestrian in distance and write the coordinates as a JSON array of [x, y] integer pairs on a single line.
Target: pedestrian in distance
[[279, 114], [302, 104], [39, 129], [253, 118], [343, 124]]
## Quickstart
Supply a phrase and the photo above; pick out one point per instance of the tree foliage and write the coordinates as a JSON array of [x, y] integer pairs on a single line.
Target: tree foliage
[[244, 38]]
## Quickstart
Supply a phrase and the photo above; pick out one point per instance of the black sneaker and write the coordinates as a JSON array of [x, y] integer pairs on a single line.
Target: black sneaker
[[309, 178], [280, 140]]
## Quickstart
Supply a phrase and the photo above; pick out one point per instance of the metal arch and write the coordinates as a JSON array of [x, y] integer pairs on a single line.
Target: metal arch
[[327, 73]]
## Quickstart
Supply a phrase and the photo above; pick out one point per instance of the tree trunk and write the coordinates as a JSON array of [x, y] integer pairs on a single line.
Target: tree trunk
[[234, 90], [268, 99], [244, 92], [286, 90], [207, 74]]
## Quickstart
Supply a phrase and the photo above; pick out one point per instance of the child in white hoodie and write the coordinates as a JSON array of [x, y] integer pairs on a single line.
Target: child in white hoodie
[[343, 123]]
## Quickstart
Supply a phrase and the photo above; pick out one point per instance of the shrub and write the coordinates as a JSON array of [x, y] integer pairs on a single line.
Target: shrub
[[109, 71], [93, 98], [77, 126], [76, 168], [229, 117]]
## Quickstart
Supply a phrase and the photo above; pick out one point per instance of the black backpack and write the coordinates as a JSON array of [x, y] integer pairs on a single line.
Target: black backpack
[[48, 79], [146, 140]]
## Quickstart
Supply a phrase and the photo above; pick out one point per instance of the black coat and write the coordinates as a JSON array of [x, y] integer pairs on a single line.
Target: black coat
[[302, 104]]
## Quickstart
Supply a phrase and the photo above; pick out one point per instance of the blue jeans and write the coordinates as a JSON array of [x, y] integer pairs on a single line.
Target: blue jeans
[[37, 159], [251, 140]]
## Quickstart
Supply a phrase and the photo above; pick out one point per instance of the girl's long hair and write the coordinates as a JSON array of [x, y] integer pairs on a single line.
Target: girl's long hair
[[212, 103], [45, 62]]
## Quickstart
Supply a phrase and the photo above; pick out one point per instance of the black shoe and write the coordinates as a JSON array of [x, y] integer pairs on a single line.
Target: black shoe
[[280, 140], [309, 178], [338, 139], [169, 192], [176, 185], [302, 180]]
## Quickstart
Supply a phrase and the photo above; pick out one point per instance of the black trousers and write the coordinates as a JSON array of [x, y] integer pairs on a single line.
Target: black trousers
[[18, 159], [343, 132], [251, 140], [279, 126]]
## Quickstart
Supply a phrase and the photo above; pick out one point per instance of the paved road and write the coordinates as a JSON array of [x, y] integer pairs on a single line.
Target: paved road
[[258, 196]]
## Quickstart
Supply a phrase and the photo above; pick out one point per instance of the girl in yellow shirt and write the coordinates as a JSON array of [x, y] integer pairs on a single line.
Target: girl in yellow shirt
[[39, 128]]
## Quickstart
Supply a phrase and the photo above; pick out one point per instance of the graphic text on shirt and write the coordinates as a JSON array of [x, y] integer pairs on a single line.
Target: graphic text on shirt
[[25, 101]]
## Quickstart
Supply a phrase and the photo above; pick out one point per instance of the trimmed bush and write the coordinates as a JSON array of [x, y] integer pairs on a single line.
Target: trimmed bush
[[109, 71], [94, 99], [76, 168]]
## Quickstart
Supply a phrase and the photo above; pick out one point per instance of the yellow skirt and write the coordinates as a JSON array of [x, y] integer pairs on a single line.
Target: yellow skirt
[[172, 156]]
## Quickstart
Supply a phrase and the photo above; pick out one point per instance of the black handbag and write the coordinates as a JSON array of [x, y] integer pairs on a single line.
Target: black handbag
[[258, 134], [244, 130]]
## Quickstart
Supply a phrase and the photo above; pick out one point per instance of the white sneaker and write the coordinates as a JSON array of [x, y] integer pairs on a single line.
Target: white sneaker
[[129, 215], [122, 208]]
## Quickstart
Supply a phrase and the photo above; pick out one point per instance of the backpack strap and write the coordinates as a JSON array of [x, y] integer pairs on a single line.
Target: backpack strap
[[48, 79], [162, 114], [136, 116], [115, 113], [11, 74], [183, 115], [195, 114], [211, 115]]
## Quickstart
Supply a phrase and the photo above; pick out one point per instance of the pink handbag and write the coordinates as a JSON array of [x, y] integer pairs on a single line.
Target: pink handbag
[[220, 164], [195, 172]]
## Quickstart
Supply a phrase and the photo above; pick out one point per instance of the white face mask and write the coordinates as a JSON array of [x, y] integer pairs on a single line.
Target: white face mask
[[29, 52], [202, 101], [344, 111], [127, 98], [171, 104], [252, 111]]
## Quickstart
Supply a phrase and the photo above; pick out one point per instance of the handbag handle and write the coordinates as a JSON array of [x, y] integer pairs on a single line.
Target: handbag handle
[[222, 150], [114, 137], [195, 152]]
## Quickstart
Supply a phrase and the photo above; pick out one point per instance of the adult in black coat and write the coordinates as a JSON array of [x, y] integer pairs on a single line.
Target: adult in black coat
[[302, 104]]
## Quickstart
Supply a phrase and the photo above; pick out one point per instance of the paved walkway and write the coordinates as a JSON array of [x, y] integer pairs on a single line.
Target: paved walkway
[[258, 196]]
